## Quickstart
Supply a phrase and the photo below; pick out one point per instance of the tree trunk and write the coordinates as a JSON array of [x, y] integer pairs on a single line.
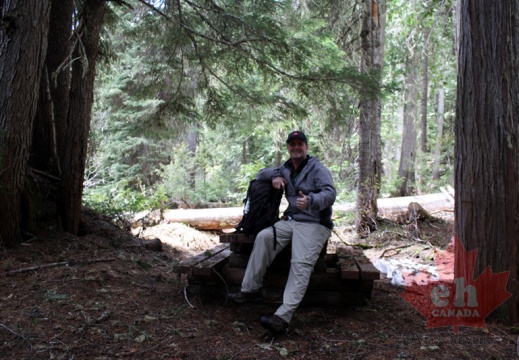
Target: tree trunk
[[73, 135], [457, 30], [370, 163], [281, 148], [23, 44], [52, 108], [406, 169], [439, 134], [192, 142], [53, 104], [487, 131], [244, 151], [425, 87]]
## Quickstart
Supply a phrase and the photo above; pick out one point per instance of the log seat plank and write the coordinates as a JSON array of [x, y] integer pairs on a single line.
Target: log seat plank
[[355, 265], [368, 271], [187, 265], [347, 264], [237, 239]]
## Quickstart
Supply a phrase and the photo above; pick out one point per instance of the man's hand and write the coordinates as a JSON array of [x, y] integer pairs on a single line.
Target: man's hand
[[278, 183], [302, 201]]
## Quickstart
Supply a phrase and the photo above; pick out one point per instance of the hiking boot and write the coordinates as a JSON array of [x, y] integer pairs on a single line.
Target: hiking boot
[[274, 323], [241, 297]]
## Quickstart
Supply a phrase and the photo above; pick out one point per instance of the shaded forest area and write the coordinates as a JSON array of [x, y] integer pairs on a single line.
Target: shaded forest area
[[117, 299], [136, 105], [161, 104]]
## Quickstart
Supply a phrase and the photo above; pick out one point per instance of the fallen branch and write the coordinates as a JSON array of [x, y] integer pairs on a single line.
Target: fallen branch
[[56, 264], [410, 238], [16, 334], [393, 249], [425, 241], [185, 296], [223, 280], [47, 175], [341, 238]]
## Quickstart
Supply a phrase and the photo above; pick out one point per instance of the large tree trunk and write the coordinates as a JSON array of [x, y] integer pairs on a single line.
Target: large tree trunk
[[370, 163], [73, 134], [487, 148], [54, 87], [406, 169], [23, 44], [44, 184]]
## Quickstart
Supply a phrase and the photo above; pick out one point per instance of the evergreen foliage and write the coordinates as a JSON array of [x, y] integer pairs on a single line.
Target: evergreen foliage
[[404, 36], [238, 76]]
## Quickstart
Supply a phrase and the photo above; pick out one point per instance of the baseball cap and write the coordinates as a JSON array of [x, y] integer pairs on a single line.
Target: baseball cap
[[297, 135]]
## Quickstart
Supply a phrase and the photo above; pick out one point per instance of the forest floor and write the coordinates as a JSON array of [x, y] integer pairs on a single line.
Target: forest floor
[[105, 296]]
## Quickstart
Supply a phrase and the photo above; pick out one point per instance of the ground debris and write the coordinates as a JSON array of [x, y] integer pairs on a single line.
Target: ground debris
[[121, 309]]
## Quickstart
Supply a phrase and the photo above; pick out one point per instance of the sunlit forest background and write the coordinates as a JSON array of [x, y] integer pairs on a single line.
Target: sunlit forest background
[[189, 105]]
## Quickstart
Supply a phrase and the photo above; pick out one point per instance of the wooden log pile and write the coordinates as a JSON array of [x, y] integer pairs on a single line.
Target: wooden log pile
[[345, 277]]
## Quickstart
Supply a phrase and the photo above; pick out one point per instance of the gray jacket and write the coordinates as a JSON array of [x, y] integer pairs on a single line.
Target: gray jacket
[[315, 181]]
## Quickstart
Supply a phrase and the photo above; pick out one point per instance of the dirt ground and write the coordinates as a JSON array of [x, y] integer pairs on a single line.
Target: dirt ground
[[103, 295]]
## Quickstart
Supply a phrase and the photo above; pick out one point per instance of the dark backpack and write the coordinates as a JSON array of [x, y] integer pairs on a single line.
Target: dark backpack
[[262, 203]]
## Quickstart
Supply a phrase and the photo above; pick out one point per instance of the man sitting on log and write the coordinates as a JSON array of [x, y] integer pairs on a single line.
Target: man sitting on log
[[307, 224]]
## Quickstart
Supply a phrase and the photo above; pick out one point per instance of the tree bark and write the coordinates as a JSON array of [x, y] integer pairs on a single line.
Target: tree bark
[[406, 169], [23, 44], [43, 191], [425, 88], [370, 152], [487, 131], [244, 151], [54, 87], [439, 134], [73, 135], [192, 142]]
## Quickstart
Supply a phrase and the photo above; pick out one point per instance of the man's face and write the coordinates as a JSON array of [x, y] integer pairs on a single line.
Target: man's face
[[297, 149]]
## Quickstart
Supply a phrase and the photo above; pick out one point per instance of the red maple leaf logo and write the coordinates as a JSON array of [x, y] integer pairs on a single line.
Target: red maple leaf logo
[[456, 299]]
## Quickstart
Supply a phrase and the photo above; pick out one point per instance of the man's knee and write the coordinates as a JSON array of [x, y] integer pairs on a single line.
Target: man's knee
[[264, 238], [303, 264]]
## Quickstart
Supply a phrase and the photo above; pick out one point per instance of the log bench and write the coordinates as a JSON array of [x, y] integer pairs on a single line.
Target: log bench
[[345, 276], [204, 264]]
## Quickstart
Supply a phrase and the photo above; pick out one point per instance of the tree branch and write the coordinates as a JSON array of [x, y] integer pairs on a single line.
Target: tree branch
[[184, 26], [16, 334], [56, 264]]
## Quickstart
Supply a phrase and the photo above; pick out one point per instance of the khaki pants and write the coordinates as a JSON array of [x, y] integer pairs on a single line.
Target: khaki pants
[[307, 242]]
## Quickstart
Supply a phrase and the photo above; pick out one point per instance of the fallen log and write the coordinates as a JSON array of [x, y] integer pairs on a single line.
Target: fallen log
[[205, 219], [228, 218], [390, 207]]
